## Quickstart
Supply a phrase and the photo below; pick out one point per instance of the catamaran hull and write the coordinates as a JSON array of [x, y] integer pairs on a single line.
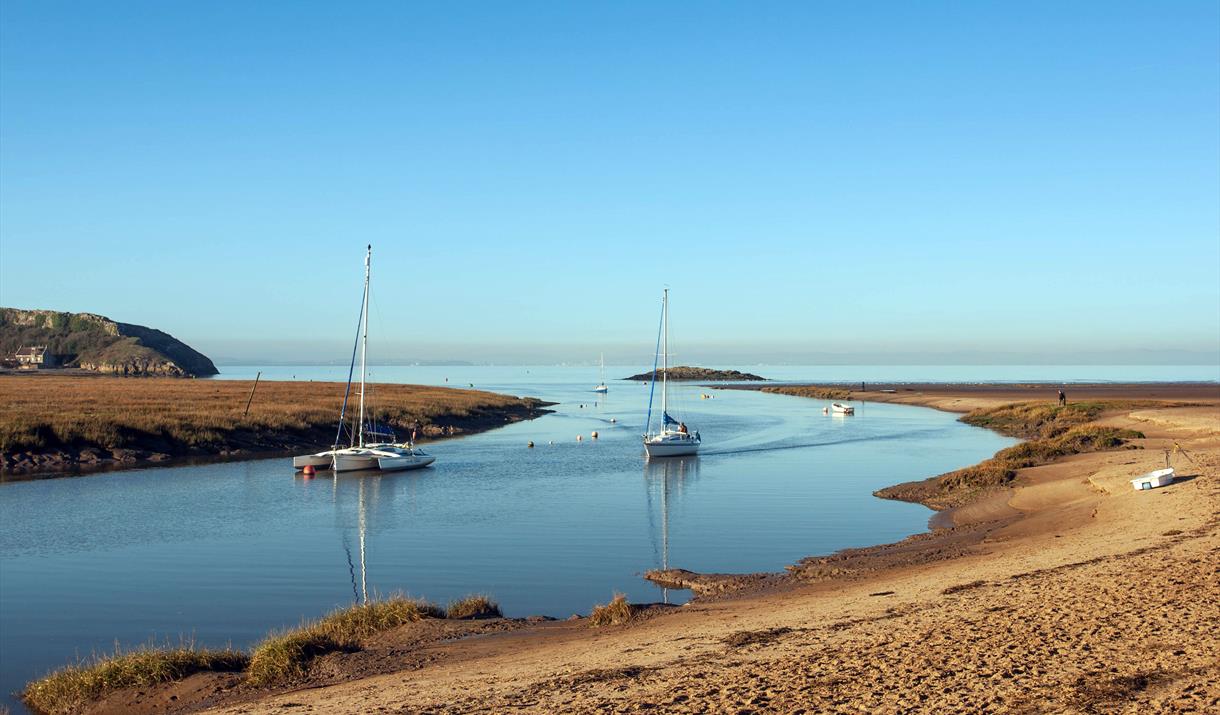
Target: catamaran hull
[[312, 460], [399, 464], [353, 463]]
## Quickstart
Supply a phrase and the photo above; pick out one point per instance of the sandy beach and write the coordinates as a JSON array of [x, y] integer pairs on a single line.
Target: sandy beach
[[1067, 592]]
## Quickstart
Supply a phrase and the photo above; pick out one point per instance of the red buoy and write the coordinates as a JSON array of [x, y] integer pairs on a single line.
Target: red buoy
[[308, 470]]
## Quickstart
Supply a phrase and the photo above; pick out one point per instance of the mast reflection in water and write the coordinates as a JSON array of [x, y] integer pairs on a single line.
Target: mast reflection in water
[[665, 480]]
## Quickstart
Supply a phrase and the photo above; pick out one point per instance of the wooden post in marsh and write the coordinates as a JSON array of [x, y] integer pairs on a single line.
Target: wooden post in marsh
[[252, 389]]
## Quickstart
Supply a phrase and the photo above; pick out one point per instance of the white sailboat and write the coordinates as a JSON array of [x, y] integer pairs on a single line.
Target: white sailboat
[[673, 439], [360, 455], [601, 386]]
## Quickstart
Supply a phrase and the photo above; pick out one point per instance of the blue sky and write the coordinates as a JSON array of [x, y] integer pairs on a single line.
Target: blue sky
[[963, 181]]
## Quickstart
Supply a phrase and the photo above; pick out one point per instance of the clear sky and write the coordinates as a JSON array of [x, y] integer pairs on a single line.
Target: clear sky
[[968, 180]]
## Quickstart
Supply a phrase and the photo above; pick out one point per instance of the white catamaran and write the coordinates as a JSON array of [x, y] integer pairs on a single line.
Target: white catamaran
[[673, 439], [360, 455]]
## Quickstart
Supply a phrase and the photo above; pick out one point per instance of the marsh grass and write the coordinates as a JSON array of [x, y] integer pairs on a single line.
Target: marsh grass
[[1041, 420], [69, 689], [811, 391], [287, 655], [1002, 468], [617, 612], [474, 606], [42, 412]]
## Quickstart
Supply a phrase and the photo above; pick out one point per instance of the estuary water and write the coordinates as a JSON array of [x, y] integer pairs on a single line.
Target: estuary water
[[223, 553]]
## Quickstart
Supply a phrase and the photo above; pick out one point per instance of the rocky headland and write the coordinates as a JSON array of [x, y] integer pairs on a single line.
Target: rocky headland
[[96, 343]]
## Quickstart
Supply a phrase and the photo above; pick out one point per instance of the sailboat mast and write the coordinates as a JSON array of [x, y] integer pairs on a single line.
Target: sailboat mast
[[364, 340], [665, 359]]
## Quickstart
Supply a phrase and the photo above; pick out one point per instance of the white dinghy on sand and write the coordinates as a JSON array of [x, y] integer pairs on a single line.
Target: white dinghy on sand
[[1152, 480]]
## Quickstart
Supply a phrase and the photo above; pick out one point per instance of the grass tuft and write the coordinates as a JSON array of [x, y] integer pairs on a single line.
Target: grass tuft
[[287, 655], [69, 689], [474, 606], [616, 612]]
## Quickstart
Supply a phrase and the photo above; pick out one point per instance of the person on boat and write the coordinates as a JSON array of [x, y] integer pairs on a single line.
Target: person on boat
[[682, 427]]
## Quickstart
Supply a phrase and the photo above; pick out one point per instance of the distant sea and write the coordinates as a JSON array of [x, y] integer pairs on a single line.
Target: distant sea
[[486, 375]]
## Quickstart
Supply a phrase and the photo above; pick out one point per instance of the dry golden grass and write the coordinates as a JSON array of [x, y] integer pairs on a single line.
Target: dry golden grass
[[1041, 420], [287, 655], [44, 411], [811, 391], [616, 612], [474, 606], [69, 689]]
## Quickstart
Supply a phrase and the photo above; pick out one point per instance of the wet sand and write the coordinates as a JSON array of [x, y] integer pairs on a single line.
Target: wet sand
[[1069, 592]]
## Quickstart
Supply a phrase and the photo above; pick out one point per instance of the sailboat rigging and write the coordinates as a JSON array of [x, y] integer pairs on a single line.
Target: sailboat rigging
[[361, 455], [673, 439]]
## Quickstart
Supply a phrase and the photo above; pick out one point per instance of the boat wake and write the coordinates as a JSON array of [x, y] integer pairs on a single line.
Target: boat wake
[[824, 443]]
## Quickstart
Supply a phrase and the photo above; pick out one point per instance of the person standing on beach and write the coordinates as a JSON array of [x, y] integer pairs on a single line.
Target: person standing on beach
[[1063, 400]]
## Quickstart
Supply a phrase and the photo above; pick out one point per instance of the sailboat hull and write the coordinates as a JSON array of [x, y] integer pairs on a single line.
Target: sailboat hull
[[672, 444], [601, 388], [671, 450]]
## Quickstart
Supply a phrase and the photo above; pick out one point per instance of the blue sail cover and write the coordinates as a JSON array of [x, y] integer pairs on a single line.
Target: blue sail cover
[[667, 420]]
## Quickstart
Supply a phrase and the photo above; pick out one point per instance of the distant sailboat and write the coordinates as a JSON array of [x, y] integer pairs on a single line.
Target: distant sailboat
[[360, 455], [673, 439], [601, 386]]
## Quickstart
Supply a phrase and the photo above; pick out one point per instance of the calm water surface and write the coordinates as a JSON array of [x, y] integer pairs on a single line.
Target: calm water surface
[[225, 552]]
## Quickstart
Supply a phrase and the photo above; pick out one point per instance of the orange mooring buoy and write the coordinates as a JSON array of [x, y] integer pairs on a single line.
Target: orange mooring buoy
[[308, 470]]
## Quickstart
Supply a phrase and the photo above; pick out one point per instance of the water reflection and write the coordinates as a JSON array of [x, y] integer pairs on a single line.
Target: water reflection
[[364, 504], [665, 480]]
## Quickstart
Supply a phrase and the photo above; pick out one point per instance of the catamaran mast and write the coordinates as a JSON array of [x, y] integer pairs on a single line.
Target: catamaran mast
[[364, 340], [665, 359]]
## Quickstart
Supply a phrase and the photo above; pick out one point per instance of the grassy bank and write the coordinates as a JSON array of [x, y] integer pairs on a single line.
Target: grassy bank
[[71, 689], [1050, 432], [280, 658], [286, 656], [49, 421], [811, 391]]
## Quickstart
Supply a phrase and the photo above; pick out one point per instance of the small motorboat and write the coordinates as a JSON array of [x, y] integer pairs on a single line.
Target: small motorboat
[[841, 409], [1152, 480]]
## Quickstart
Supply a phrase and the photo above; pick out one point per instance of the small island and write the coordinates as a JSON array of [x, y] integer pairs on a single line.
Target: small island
[[701, 374]]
